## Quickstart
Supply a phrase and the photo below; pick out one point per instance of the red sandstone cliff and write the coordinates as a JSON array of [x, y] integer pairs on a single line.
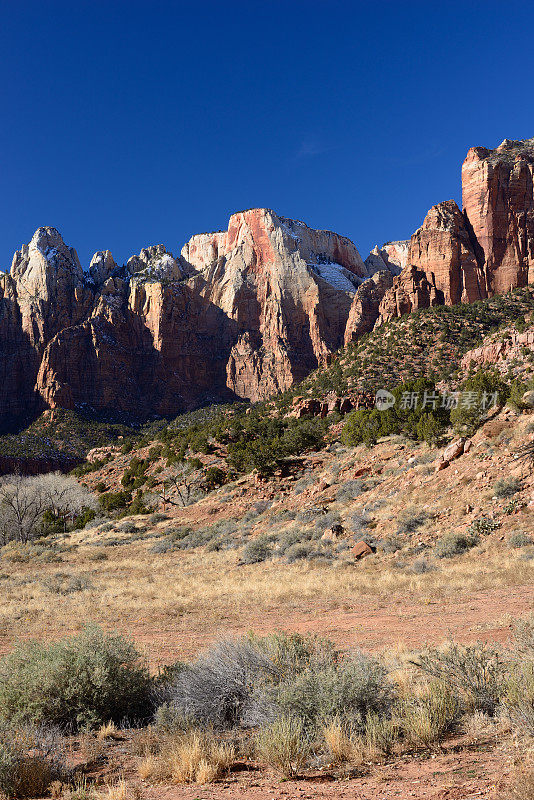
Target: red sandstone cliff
[[246, 312], [497, 192], [489, 248], [243, 313]]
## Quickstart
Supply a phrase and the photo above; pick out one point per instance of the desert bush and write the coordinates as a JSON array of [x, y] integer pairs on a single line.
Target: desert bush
[[519, 697], [421, 566], [410, 519], [519, 539], [381, 733], [506, 487], [298, 551], [31, 758], [349, 490], [359, 521], [82, 681], [476, 673], [284, 745], [389, 545], [258, 549], [352, 688], [454, 544], [217, 688], [291, 653], [483, 526]]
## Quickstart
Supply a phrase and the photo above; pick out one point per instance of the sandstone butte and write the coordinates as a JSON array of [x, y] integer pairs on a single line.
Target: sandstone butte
[[246, 312]]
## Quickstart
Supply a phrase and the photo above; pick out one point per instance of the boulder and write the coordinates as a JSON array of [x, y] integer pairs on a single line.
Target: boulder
[[362, 549], [454, 450]]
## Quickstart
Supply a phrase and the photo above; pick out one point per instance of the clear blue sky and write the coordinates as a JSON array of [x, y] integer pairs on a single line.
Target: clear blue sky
[[126, 124]]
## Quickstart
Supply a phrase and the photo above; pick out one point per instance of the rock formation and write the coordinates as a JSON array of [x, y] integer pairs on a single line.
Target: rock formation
[[246, 312], [286, 288], [240, 314], [497, 194], [365, 305], [487, 249], [392, 257], [441, 266]]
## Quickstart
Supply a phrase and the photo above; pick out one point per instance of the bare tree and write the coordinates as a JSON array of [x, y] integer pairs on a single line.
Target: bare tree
[[179, 487], [24, 501]]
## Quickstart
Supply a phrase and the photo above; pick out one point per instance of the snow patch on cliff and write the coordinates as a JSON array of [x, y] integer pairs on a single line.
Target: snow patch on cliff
[[336, 275]]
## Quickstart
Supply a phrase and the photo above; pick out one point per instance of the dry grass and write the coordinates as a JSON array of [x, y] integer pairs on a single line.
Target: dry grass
[[341, 746], [284, 745], [194, 593], [199, 590], [108, 731], [192, 757]]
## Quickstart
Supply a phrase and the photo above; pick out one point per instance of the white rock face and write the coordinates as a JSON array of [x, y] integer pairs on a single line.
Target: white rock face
[[392, 256], [154, 264], [48, 282], [288, 288], [101, 267]]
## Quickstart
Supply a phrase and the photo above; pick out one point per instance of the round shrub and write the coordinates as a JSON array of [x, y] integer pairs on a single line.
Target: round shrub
[[519, 539], [256, 550], [454, 544], [82, 681]]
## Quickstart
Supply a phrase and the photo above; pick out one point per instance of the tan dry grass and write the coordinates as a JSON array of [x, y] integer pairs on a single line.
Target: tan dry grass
[[205, 589], [192, 757]]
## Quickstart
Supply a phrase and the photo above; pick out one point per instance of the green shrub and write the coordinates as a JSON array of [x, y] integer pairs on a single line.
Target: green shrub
[[298, 551], [454, 544], [506, 487], [113, 501], [215, 477], [483, 526], [413, 414], [284, 745], [428, 716], [84, 680], [258, 549], [350, 689], [470, 412], [476, 673]]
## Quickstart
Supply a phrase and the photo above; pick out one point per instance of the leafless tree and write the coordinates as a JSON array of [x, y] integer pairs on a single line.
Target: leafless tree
[[24, 501], [180, 486]]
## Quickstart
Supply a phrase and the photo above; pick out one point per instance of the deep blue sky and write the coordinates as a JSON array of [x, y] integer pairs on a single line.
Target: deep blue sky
[[126, 124]]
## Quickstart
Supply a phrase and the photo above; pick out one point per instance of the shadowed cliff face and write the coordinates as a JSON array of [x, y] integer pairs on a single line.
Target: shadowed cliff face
[[240, 314]]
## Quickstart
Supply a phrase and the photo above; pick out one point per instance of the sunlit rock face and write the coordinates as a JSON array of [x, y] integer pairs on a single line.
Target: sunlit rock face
[[239, 314], [497, 192]]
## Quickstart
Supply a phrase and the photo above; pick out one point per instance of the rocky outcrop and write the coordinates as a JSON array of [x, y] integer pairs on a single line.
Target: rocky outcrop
[[240, 314], [442, 249], [365, 306], [442, 266], [502, 350], [460, 257], [497, 194], [392, 257], [411, 290]]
